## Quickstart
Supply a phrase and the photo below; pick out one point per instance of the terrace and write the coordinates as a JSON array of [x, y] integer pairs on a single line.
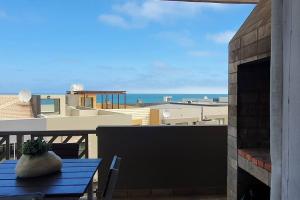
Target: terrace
[[88, 99], [263, 124], [159, 163]]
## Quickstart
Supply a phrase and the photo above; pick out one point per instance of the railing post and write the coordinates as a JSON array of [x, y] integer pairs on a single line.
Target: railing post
[[86, 144], [20, 140], [7, 148]]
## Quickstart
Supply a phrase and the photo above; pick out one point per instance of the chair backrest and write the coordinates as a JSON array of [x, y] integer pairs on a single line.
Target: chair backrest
[[66, 151], [36, 196], [115, 163], [112, 178]]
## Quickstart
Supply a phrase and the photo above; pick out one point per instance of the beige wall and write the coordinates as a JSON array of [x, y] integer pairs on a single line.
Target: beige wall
[[181, 121], [80, 112], [136, 113], [176, 113], [221, 119], [154, 117], [72, 100], [86, 122], [191, 113]]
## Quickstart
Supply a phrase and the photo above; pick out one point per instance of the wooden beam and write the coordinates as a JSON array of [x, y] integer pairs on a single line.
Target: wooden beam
[[106, 101], [222, 1]]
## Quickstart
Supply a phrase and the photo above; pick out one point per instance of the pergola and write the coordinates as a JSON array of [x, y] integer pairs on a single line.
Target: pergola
[[103, 94]]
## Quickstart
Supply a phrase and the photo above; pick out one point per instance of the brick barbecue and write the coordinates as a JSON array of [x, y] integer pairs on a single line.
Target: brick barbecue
[[249, 118]]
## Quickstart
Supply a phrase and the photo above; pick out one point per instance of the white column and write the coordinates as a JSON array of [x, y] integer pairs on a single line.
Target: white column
[[291, 101]]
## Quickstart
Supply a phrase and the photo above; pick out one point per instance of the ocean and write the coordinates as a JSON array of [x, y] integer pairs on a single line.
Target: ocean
[[151, 98], [158, 98]]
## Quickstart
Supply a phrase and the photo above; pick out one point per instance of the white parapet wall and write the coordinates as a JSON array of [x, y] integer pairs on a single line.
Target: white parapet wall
[[38, 124], [83, 112], [86, 122], [23, 125]]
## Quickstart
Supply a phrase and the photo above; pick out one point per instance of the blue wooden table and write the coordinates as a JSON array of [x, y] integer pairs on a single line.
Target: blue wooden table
[[72, 182]]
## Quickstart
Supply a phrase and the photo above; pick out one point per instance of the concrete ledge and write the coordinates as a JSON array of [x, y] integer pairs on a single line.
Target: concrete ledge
[[261, 174]]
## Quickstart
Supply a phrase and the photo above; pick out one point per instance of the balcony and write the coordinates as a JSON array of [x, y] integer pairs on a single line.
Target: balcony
[[158, 162]]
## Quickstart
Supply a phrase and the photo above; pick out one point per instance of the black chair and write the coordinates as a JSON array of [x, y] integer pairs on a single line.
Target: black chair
[[36, 196], [66, 151], [112, 178]]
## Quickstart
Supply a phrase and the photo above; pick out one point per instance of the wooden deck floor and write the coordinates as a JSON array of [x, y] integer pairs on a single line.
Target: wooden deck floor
[[178, 198], [172, 198]]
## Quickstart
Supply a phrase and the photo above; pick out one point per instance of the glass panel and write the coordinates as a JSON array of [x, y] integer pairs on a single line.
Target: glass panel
[[89, 102], [50, 106]]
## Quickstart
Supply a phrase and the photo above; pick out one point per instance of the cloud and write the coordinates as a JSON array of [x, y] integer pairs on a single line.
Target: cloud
[[160, 65], [114, 20], [162, 77], [158, 76], [201, 53], [156, 10], [222, 38], [27, 17], [136, 14], [181, 38]]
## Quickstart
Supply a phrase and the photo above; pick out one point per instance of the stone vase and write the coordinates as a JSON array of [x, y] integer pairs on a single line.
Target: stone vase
[[34, 166]]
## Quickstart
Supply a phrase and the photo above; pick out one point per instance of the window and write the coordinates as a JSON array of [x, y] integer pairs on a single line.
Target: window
[[87, 102], [50, 106]]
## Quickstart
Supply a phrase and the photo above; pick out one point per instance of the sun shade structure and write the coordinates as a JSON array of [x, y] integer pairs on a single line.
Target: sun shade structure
[[222, 1], [104, 97]]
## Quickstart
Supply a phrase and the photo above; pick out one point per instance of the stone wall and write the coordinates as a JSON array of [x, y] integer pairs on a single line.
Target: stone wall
[[252, 42]]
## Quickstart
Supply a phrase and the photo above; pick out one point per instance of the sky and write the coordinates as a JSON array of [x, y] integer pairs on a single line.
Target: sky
[[141, 46]]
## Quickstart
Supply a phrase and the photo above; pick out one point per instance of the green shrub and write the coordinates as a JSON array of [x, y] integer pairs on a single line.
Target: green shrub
[[35, 147]]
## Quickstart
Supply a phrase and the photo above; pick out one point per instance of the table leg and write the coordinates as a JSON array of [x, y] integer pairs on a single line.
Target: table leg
[[90, 191]]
